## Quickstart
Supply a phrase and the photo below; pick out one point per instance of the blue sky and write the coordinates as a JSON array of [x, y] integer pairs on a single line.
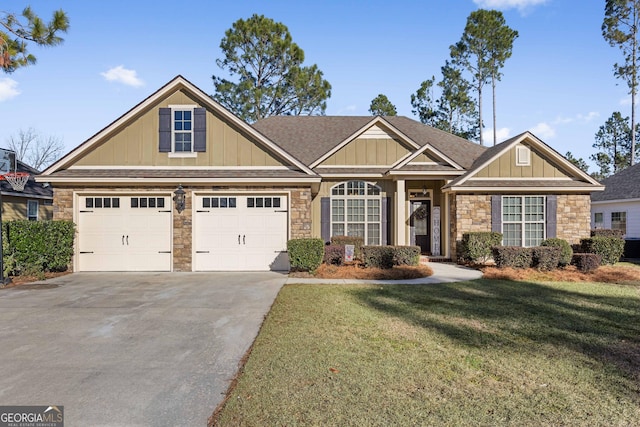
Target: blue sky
[[559, 83]]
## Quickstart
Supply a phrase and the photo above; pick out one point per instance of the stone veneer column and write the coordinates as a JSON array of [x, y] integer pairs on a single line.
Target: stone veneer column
[[300, 213], [573, 217], [183, 234]]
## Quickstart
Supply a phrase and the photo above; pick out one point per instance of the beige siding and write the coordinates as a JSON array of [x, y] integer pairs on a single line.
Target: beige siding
[[424, 158], [136, 143], [505, 167], [369, 152], [14, 208]]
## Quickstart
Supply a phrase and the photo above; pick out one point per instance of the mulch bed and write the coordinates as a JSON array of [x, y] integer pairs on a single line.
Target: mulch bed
[[22, 280], [604, 274]]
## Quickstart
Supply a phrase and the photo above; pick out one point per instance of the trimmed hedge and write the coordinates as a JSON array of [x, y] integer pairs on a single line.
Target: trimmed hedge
[[513, 256], [606, 232], [34, 247], [305, 254], [357, 242], [546, 257], [566, 252], [477, 246], [388, 256], [333, 254], [609, 248], [586, 262]]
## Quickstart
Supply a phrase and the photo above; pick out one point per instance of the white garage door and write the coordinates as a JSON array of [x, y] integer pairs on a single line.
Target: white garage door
[[241, 232], [124, 233]]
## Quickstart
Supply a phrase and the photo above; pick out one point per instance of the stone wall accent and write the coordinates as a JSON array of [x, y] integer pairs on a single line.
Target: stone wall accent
[[574, 217], [299, 214], [468, 213]]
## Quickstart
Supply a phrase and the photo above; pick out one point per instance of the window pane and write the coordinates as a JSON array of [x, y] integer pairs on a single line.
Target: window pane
[[214, 202], [337, 230], [267, 202], [177, 126], [152, 202], [186, 115], [259, 202], [143, 202], [187, 126], [372, 190], [250, 202], [88, 203], [223, 202], [533, 234], [177, 115], [232, 202], [134, 202], [276, 202], [338, 190], [355, 230], [619, 221], [355, 210], [373, 210], [160, 202], [511, 209], [98, 202], [115, 202], [107, 202], [512, 234], [337, 210], [534, 209], [373, 234]]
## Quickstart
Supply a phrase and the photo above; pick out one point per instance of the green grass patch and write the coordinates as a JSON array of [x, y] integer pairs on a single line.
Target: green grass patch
[[487, 352]]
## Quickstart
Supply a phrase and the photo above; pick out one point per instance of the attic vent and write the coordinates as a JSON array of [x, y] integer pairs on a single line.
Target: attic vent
[[523, 156]]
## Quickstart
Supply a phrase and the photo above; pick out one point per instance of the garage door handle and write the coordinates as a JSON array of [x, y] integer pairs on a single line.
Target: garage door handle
[[164, 252], [123, 239], [127, 240], [243, 241], [202, 211], [164, 211], [86, 211], [86, 252], [238, 239], [282, 211], [202, 252]]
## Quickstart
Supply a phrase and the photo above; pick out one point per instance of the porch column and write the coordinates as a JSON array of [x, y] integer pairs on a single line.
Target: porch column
[[400, 214]]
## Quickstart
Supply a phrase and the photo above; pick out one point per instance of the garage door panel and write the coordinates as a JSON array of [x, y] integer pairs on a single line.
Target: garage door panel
[[250, 236], [124, 233]]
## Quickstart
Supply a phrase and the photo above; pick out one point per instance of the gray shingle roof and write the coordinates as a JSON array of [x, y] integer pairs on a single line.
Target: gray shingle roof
[[179, 173], [309, 137], [623, 185]]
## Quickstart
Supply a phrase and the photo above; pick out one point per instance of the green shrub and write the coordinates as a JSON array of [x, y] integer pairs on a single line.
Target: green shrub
[[34, 247], [305, 254], [565, 250], [513, 256], [586, 262], [609, 248], [378, 256], [356, 241], [476, 247], [406, 255], [546, 257], [605, 232], [333, 254]]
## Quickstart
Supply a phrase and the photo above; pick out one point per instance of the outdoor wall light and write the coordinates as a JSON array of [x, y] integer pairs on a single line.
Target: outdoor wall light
[[179, 198]]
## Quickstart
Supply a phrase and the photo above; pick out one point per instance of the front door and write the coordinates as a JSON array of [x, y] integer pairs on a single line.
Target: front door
[[419, 222]]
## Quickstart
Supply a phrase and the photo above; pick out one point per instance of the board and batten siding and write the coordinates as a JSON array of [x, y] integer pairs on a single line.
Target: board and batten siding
[[136, 143], [505, 166], [632, 208]]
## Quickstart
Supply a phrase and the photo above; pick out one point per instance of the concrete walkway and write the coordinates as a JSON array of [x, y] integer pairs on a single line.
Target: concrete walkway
[[442, 273]]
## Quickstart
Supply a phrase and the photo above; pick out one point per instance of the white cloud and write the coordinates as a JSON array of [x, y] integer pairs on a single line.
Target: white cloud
[[8, 89], [501, 135], [589, 116], [521, 5], [581, 118], [543, 130], [122, 75], [347, 109]]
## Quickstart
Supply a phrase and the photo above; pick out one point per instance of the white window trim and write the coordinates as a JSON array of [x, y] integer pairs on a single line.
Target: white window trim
[[523, 155], [173, 152], [523, 222], [30, 202], [597, 224], [345, 197], [624, 232]]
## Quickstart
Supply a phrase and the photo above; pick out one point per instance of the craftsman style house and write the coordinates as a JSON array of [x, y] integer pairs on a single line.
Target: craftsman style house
[[178, 183]]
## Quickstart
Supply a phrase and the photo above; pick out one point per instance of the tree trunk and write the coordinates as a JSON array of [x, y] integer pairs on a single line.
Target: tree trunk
[[480, 110], [493, 87]]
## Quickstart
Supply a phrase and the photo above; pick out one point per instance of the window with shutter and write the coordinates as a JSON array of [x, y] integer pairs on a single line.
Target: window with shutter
[[183, 130]]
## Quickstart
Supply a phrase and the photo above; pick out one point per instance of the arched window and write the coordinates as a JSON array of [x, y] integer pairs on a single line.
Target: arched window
[[355, 211]]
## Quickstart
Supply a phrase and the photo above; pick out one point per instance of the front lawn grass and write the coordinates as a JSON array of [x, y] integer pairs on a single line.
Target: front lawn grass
[[486, 352]]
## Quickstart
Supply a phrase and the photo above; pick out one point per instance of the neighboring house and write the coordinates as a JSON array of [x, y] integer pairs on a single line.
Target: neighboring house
[[618, 206], [34, 203], [250, 188]]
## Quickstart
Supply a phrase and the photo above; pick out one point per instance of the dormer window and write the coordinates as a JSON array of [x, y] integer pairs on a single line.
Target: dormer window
[[182, 130]]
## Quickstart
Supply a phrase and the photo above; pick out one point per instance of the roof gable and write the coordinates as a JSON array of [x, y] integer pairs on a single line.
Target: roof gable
[[113, 144], [502, 165]]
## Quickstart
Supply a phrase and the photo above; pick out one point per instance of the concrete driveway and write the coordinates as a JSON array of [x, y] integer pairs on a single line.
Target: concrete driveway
[[130, 349]]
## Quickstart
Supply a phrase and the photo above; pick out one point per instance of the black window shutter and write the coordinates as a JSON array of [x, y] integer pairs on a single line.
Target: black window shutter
[[552, 216], [325, 219], [496, 213], [199, 130], [165, 130], [384, 217]]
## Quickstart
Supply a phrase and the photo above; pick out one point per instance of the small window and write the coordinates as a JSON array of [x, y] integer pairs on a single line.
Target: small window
[[102, 202], [32, 210], [523, 156], [219, 202], [619, 221], [147, 202], [598, 220], [263, 202], [182, 131]]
